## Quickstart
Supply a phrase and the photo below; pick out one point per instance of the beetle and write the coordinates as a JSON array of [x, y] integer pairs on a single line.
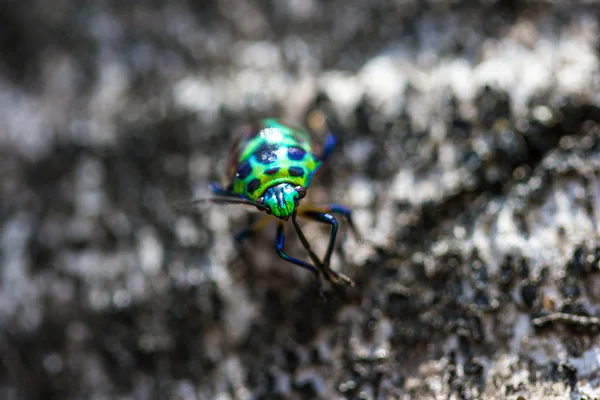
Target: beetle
[[271, 166]]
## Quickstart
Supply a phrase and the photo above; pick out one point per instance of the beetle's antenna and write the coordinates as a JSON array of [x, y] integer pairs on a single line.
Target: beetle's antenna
[[217, 200]]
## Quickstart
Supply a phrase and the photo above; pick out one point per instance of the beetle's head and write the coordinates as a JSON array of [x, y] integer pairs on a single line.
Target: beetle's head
[[282, 199]]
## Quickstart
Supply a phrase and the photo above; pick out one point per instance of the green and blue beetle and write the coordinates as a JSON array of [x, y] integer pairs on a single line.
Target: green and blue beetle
[[271, 166]]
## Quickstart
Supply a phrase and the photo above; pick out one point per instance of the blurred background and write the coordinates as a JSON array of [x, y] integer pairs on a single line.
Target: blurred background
[[468, 148]]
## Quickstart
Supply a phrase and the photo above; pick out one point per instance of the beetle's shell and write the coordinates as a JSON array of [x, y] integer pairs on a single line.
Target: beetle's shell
[[269, 153]]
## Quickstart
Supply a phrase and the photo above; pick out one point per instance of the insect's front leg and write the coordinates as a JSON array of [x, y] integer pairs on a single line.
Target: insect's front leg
[[252, 229], [328, 147], [326, 219], [244, 234], [219, 190], [279, 243], [346, 212], [323, 215]]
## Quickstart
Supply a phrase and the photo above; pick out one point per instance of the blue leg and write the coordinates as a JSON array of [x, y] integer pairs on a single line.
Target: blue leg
[[243, 235], [346, 213], [328, 219], [279, 242], [250, 230], [219, 190], [335, 209], [311, 253], [328, 147]]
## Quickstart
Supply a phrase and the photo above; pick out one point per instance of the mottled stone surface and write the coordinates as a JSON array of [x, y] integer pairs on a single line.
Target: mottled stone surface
[[468, 146]]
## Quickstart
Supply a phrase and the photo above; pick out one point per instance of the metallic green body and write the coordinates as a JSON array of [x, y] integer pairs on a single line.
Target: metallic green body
[[269, 155], [270, 167]]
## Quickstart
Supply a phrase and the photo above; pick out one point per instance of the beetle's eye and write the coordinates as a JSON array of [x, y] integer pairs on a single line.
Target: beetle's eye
[[301, 191], [268, 210]]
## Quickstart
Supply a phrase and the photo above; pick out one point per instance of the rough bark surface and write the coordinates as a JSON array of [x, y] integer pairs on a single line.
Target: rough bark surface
[[469, 150]]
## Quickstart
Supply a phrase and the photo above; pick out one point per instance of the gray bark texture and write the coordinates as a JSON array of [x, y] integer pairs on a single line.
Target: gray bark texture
[[468, 149]]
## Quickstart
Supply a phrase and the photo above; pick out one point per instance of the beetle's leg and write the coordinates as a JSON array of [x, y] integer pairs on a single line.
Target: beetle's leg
[[252, 229], [328, 147], [244, 234], [219, 190], [311, 253], [324, 266], [328, 219], [335, 209], [280, 241]]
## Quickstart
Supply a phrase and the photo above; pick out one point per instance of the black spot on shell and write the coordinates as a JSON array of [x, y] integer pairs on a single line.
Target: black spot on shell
[[272, 171], [253, 185], [243, 170], [296, 171], [296, 153], [266, 153]]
